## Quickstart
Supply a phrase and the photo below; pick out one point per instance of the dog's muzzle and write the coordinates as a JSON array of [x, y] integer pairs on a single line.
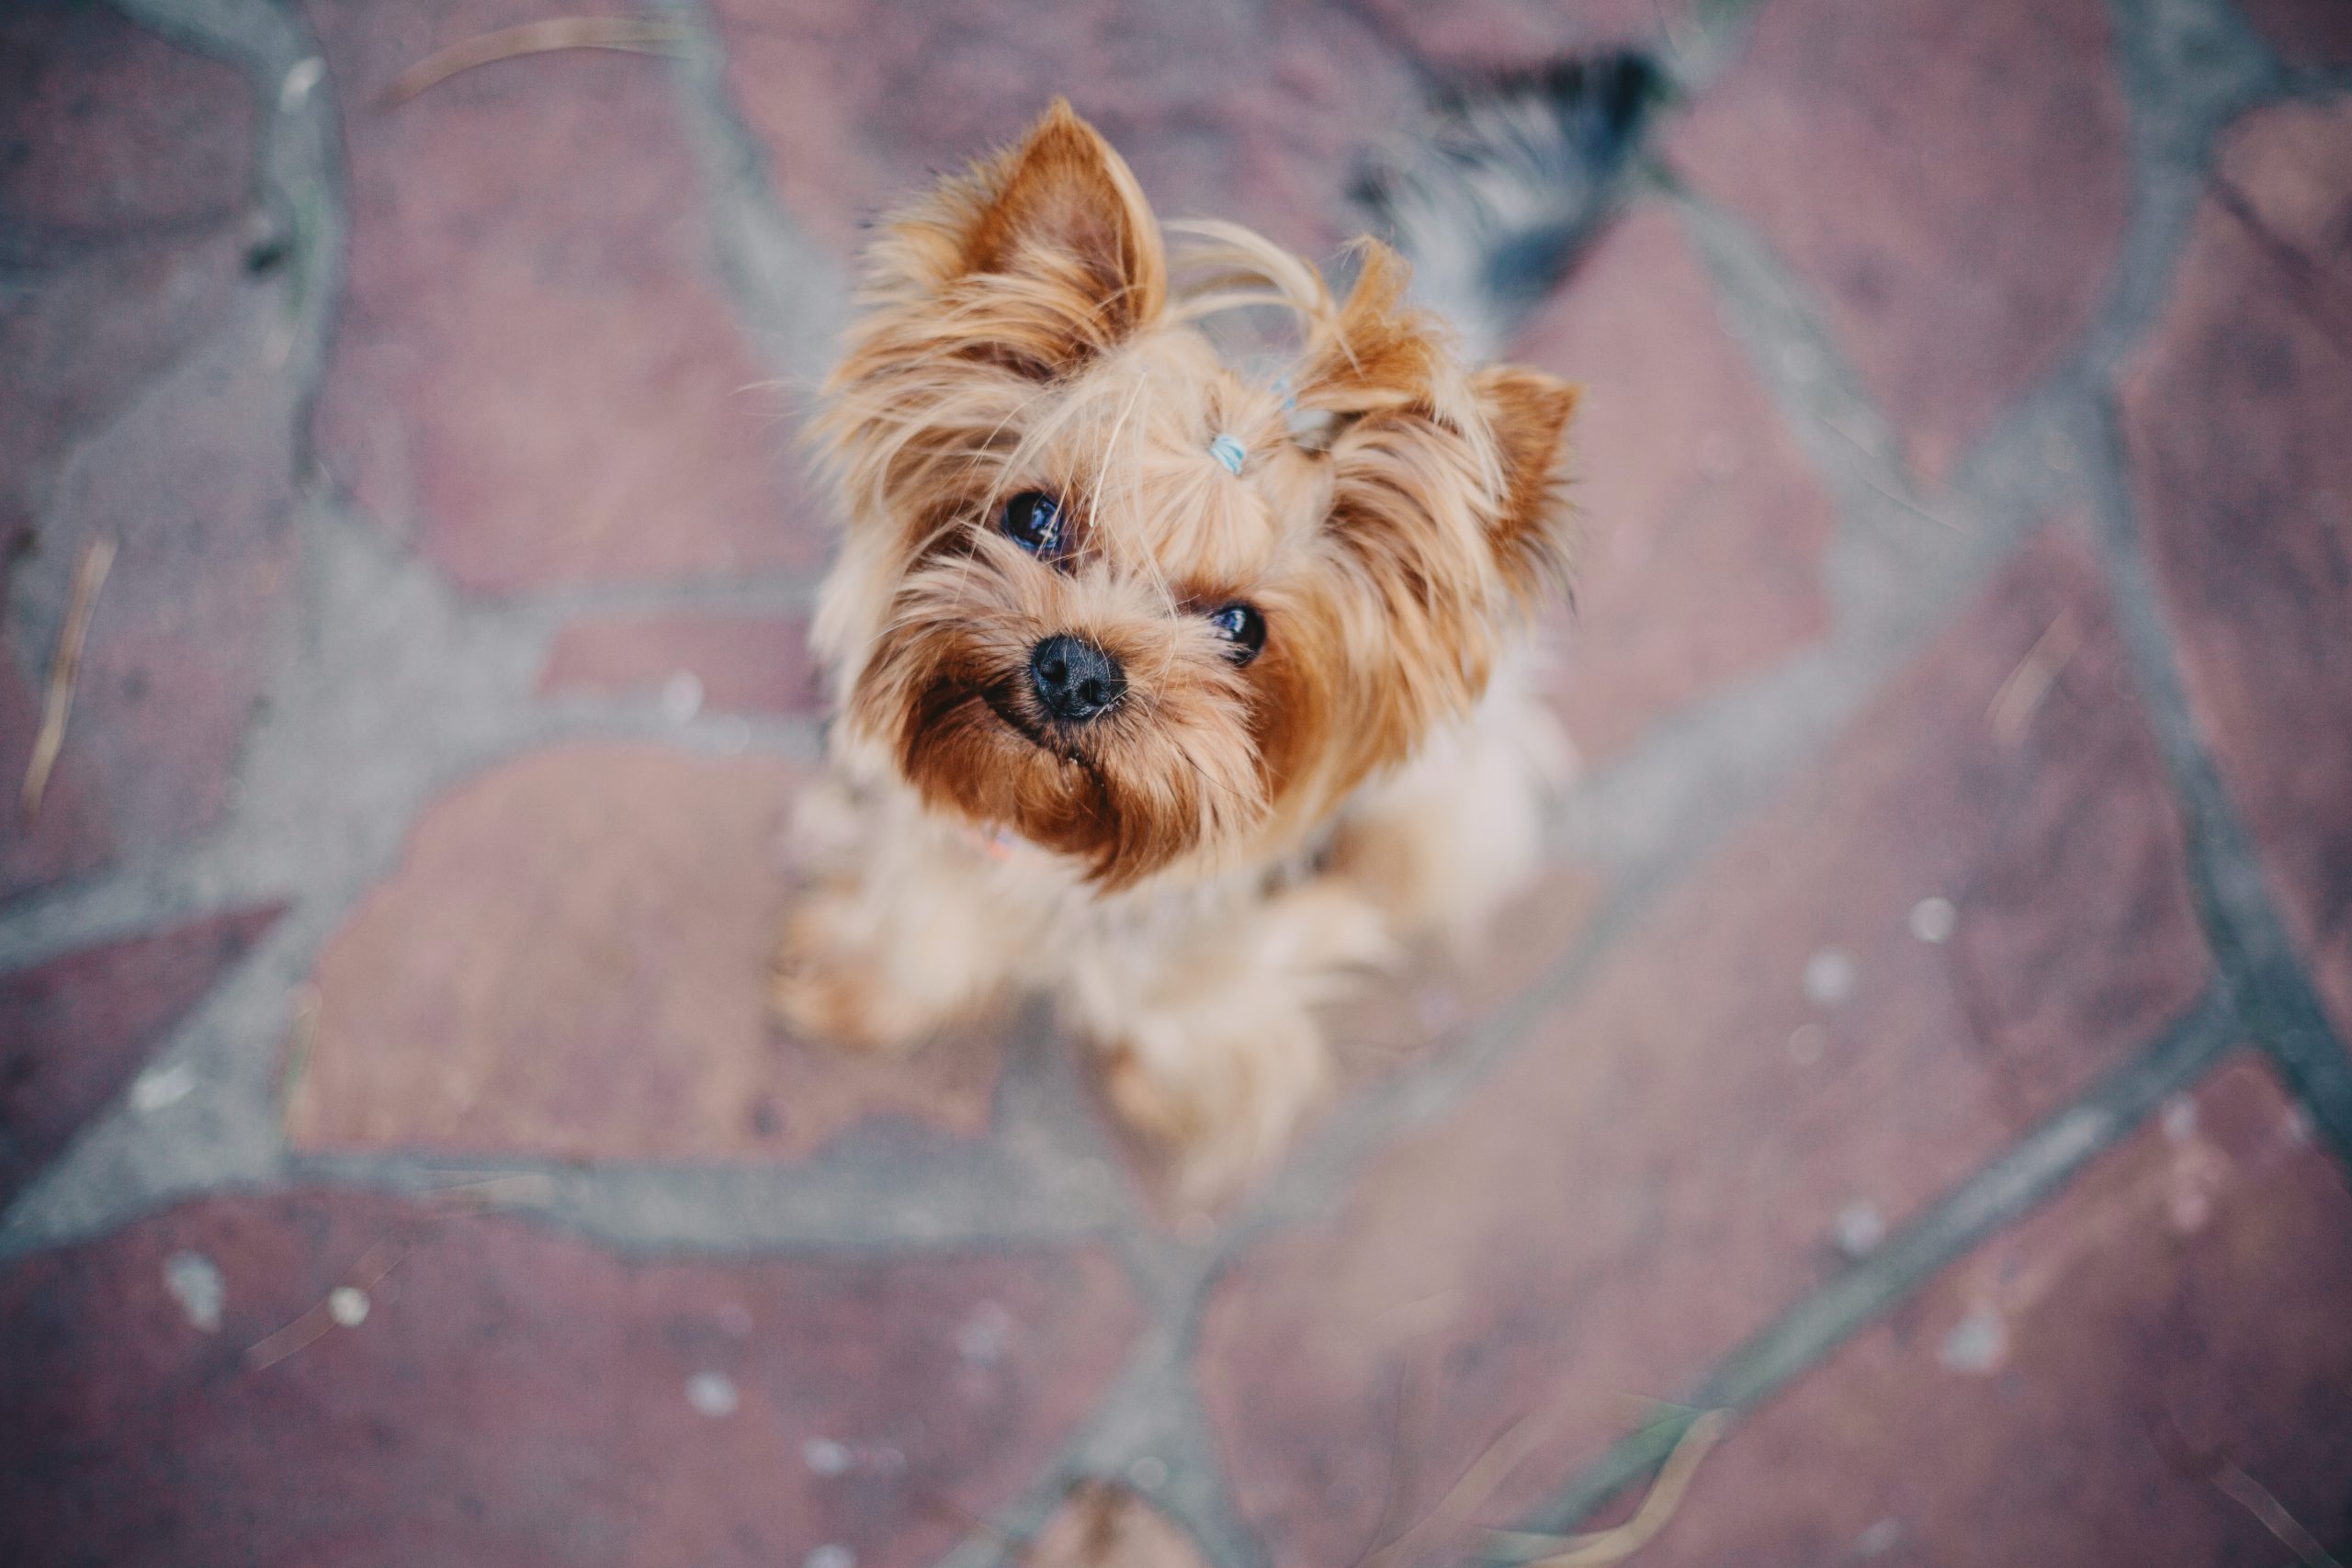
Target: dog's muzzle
[[1075, 680]]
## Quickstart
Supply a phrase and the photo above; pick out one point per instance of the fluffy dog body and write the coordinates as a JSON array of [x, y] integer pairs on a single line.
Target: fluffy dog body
[[1174, 692]]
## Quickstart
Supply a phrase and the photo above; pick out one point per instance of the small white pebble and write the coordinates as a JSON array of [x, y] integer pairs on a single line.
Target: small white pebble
[[1878, 1540], [2180, 1118], [824, 1457], [1807, 1042], [1148, 1474], [1828, 977], [161, 1087], [712, 1395], [682, 697], [2300, 1129], [832, 1554], [300, 78], [1977, 1344], [1934, 920], [347, 1304], [195, 1283], [734, 737], [1858, 1228]]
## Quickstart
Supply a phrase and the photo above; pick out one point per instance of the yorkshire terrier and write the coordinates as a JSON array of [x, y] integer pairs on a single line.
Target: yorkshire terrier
[[1181, 693]]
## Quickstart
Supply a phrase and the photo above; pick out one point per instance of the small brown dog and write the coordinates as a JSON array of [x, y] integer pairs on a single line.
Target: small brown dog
[[1176, 696]]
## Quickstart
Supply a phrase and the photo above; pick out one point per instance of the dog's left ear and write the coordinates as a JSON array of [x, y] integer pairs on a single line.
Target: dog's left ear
[[1039, 259], [1528, 413], [1065, 208]]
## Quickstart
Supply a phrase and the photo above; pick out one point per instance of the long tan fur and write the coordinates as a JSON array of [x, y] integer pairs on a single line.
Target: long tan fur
[[1176, 870]]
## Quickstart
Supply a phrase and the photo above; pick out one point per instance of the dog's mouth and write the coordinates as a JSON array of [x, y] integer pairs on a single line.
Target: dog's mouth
[[999, 698]]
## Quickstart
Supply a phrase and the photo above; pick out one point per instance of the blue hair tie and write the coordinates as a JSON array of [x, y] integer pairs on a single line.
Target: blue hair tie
[[1229, 452]]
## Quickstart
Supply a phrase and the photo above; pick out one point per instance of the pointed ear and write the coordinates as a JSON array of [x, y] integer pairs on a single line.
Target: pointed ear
[[1528, 413], [1375, 353], [1063, 209]]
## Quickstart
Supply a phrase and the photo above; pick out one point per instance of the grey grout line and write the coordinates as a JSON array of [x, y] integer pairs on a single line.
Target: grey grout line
[[1892, 581], [2189, 67], [2192, 68], [2033, 1169], [2266, 980], [791, 294]]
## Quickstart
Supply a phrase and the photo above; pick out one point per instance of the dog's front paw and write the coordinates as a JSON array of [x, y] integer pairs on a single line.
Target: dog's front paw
[[1216, 1108], [822, 986]]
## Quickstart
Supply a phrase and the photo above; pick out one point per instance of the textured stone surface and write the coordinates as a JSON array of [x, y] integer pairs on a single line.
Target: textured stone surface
[[104, 127], [124, 168], [70, 834], [1468, 35], [2307, 32], [1443, 995], [1108, 1526], [1703, 526], [1771, 1059], [534, 375], [193, 482], [1951, 179], [135, 406], [2234, 416], [2074, 1391], [77, 1028], [737, 663], [515, 1398], [570, 961], [1224, 109]]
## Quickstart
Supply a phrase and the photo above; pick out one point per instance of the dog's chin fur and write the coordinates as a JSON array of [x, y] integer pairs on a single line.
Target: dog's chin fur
[[1184, 857]]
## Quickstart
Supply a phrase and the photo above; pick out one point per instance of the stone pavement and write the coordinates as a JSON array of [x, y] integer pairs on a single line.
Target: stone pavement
[[1928, 1042]]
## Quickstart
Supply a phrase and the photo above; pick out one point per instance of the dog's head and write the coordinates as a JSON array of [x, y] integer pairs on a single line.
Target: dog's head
[[1103, 590]]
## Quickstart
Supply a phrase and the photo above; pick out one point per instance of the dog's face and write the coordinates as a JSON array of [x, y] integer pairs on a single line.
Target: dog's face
[[1059, 613]]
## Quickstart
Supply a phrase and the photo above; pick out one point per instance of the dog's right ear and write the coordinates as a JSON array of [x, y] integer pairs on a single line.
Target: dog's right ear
[[1048, 254]]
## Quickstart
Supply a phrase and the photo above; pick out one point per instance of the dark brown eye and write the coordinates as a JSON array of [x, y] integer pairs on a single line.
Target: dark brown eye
[[1034, 521], [1243, 627]]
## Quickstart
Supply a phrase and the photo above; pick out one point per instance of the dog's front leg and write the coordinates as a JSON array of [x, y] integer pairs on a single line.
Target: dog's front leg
[[897, 932], [1210, 1045]]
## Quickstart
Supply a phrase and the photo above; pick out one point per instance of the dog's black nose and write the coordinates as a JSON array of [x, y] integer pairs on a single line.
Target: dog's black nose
[[1075, 679]]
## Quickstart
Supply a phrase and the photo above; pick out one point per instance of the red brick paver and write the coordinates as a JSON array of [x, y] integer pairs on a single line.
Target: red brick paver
[[1470, 35], [1775, 1060], [525, 841], [2307, 32], [515, 1398], [536, 377], [1702, 523], [1224, 111], [137, 404], [75, 1030], [2235, 415], [737, 663], [2088, 1387], [1951, 179], [70, 834], [569, 962]]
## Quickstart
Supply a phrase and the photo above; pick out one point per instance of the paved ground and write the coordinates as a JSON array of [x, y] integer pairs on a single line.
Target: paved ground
[[1929, 1043]]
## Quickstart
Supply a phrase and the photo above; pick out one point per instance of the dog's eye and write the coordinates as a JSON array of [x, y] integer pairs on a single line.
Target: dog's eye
[[1243, 627], [1034, 521]]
